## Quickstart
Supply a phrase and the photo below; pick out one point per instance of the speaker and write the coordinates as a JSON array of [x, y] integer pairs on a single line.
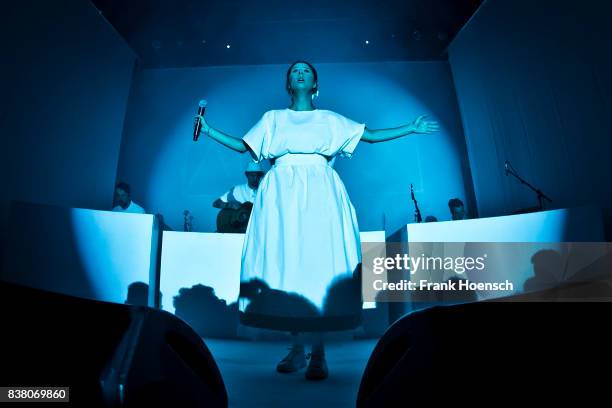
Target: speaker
[[491, 352], [108, 354]]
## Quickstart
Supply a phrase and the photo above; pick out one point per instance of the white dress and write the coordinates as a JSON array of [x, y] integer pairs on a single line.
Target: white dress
[[302, 242]]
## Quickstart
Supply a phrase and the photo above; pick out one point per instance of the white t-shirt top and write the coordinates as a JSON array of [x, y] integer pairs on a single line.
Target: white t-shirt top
[[132, 208], [319, 131], [242, 193]]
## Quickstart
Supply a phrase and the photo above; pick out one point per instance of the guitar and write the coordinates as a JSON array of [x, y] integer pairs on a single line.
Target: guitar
[[234, 220]]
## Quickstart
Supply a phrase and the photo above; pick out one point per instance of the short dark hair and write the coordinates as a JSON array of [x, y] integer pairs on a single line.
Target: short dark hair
[[454, 203], [124, 186], [314, 72]]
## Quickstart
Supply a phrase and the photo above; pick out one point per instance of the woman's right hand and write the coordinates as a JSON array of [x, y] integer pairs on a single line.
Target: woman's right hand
[[205, 127]]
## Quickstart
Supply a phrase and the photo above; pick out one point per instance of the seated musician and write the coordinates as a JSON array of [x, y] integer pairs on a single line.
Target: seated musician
[[123, 200], [236, 203]]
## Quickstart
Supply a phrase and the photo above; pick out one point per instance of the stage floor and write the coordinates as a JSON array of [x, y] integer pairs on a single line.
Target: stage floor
[[249, 373]]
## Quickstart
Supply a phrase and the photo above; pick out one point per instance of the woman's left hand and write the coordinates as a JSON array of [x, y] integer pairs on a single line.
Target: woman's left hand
[[420, 125]]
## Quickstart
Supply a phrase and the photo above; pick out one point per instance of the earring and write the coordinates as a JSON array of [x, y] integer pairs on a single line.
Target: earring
[[315, 95]]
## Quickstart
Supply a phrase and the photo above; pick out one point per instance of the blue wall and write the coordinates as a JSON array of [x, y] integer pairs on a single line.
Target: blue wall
[[534, 86], [66, 77], [169, 173]]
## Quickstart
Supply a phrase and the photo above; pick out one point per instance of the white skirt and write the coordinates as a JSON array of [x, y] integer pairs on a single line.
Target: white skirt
[[302, 243]]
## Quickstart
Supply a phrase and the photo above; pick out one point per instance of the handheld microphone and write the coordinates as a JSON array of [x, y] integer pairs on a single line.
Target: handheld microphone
[[198, 123]]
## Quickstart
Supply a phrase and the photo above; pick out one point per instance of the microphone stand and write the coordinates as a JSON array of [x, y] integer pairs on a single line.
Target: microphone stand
[[187, 221], [540, 194], [417, 212]]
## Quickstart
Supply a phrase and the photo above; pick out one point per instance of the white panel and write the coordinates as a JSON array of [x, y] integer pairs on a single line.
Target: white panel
[[546, 230], [86, 253], [191, 258], [115, 250], [210, 259]]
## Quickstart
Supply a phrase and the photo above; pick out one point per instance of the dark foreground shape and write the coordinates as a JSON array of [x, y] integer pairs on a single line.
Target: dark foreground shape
[[493, 352], [108, 354]]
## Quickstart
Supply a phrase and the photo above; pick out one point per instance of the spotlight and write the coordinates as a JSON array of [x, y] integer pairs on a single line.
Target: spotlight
[[228, 46], [367, 42]]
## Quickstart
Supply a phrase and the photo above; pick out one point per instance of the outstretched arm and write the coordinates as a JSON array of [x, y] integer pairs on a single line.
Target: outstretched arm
[[420, 125], [230, 203], [230, 141], [218, 203]]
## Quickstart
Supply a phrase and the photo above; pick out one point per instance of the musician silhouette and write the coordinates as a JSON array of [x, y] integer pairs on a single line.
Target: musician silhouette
[[236, 204]]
